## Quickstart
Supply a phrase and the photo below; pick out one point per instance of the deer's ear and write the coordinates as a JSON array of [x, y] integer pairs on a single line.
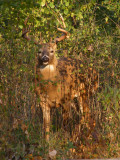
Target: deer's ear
[[54, 46], [56, 41]]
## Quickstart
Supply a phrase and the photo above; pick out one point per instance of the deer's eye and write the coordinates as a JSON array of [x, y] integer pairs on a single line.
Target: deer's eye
[[39, 52], [51, 51]]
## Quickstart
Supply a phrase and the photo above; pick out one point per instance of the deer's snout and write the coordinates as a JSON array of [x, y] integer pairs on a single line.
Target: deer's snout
[[45, 59]]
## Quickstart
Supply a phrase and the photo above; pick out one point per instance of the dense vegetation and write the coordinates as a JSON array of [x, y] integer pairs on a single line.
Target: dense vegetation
[[94, 27]]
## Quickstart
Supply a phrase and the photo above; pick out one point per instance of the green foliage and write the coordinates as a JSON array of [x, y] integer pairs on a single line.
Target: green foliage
[[92, 24]]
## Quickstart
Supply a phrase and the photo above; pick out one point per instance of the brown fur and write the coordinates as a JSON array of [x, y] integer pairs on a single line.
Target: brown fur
[[60, 81]]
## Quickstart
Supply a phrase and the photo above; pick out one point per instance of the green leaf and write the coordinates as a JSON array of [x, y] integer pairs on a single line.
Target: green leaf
[[80, 15], [66, 3], [72, 14], [20, 26], [106, 19], [52, 5], [47, 11], [93, 1], [43, 3], [48, 1], [42, 10], [66, 11]]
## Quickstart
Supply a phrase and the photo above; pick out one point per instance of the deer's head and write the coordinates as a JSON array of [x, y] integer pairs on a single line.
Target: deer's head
[[46, 51]]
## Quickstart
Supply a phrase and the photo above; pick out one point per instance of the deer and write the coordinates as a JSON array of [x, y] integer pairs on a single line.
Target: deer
[[60, 80]]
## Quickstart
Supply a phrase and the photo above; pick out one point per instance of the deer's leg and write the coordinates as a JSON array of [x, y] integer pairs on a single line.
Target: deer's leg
[[87, 116], [86, 109], [46, 121]]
